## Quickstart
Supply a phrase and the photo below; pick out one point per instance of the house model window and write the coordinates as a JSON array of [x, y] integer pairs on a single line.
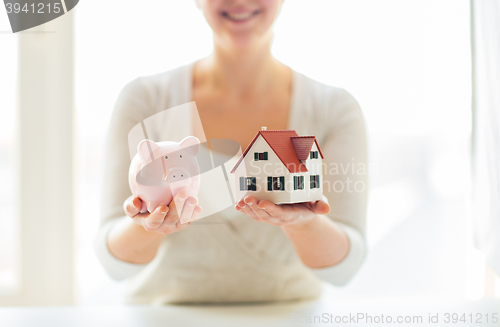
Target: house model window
[[260, 156], [298, 182], [276, 183], [248, 184], [314, 155], [314, 181]]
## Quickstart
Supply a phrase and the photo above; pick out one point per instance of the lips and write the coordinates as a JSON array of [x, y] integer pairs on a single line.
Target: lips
[[240, 16]]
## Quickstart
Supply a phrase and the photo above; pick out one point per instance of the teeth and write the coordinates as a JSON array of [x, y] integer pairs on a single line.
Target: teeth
[[240, 16]]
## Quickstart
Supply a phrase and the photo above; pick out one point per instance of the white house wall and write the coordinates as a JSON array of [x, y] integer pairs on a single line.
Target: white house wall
[[313, 168], [261, 170], [314, 165]]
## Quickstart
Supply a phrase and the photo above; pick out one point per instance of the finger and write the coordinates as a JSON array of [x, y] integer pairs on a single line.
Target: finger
[[183, 224], [262, 214], [132, 206], [177, 203], [196, 214], [140, 217], [171, 218], [321, 207], [250, 199], [237, 207], [271, 208], [241, 203], [243, 207], [247, 210], [174, 225], [156, 218], [188, 209], [175, 207]]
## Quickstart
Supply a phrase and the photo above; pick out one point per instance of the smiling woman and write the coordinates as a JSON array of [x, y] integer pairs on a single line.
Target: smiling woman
[[241, 22], [407, 63], [262, 251]]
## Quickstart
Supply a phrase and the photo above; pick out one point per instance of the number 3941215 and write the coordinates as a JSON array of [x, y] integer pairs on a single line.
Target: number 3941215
[[34, 8]]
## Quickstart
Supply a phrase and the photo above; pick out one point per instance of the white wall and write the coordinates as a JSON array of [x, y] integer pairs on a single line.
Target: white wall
[[260, 169]]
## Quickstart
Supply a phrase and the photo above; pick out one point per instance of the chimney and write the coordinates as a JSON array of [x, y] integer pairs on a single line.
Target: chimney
[[263, 128]]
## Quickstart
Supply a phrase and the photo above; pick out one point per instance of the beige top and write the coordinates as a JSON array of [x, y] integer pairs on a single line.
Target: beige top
[[230, 257]]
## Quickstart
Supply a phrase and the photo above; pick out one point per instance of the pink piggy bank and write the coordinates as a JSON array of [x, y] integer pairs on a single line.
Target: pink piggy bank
[[160, 170]]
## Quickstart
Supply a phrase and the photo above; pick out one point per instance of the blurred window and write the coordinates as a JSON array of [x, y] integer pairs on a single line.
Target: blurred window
[[9, 237]]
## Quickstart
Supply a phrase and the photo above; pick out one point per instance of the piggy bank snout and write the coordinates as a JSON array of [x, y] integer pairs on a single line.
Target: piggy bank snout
[[177, 174]]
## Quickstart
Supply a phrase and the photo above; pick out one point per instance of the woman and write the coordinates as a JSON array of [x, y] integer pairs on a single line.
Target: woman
[[262, 251]]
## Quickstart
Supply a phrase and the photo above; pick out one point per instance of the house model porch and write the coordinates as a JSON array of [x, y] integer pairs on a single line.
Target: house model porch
[[280, 166]]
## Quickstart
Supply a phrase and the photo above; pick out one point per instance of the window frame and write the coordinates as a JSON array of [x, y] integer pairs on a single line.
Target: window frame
[[276, 183], [298, 182], [259, 156], [314, 182], [248, 183], [314, 155]]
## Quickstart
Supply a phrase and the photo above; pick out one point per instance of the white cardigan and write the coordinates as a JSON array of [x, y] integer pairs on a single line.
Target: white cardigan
[[238, 259]]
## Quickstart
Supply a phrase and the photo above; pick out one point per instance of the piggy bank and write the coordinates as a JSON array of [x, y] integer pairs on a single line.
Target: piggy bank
[[160, 170]]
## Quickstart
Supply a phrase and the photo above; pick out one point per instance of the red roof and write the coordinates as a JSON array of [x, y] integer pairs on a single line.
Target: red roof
[[288, 146]]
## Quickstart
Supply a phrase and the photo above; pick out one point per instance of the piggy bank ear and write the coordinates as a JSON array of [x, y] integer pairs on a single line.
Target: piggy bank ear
[[191, 143], [145, 150]]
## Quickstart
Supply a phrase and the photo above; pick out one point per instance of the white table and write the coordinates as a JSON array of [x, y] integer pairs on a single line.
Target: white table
[[282, 314]]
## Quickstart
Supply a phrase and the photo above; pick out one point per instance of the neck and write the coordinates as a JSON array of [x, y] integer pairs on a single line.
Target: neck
[[242, 71]]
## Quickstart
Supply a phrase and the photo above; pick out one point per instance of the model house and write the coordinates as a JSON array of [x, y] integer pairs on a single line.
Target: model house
[[280, 166]]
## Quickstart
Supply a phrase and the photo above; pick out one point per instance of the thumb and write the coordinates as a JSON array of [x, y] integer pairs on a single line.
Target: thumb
[[321, 207]]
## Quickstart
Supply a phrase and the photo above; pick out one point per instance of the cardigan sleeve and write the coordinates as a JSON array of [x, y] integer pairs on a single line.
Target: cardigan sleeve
[[132, 106], [345, 177]]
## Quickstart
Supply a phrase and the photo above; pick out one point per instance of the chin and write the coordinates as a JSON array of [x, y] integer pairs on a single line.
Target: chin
[[243, 42], [245, 39]]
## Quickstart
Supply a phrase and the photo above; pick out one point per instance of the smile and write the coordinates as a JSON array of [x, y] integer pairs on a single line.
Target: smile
[[241, 16]]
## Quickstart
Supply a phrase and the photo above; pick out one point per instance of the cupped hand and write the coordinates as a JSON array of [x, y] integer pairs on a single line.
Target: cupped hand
[[165, 219], [282, 214]]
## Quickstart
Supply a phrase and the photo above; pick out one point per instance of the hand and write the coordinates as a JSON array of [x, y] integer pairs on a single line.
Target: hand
[[164, 219], [294, 214]]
